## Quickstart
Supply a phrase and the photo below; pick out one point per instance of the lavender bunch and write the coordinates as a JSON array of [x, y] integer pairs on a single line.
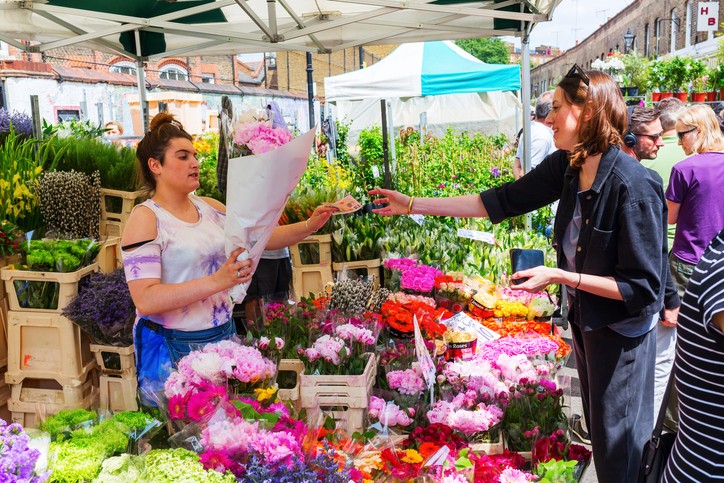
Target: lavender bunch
[[17, 459], [104, 309], [21, 123]]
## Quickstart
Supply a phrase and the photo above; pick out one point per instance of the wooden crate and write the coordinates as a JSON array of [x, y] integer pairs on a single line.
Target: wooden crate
[[47, 346], [68, 285], [33, 400], [311, 279], [127, 201], [320, 243], [364, 268], [115, 361], [119, 393], [344, 398], [109, 258], [291, 395]]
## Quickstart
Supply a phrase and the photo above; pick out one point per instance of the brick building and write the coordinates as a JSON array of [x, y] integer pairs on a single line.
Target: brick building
[[660, 27]]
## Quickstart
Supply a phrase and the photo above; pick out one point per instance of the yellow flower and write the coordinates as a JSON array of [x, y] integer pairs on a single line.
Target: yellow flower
[[264, 394], [412, 457]]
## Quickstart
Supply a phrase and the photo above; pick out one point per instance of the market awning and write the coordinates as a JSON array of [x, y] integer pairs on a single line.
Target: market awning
[[205, 27]]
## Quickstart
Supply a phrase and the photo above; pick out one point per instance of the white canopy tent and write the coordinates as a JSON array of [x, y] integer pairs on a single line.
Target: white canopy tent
[[452, 88], [144, 29]]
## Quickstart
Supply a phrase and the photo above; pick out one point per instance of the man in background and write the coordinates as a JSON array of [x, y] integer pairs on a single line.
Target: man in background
[[541, 136]]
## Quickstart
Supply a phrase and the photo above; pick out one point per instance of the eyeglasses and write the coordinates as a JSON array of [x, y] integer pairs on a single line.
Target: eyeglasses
[[577, 71], [681, 134], [653, 137]]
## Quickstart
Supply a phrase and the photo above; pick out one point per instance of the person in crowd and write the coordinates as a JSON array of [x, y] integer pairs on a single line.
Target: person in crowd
[[541, 136], [611, 254], [174, 259], [694, 194], [114, 129], [699, 445], [643, 142]]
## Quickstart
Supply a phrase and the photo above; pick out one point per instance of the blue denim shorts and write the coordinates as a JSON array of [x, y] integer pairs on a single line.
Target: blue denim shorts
[[158, 351]]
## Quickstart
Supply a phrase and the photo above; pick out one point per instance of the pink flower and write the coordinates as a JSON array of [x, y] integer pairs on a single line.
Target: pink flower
[[260, 137], [406, 382], [199, 406], [177, 407], [216, 460]]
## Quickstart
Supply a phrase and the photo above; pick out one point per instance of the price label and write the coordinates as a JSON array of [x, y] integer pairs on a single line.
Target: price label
[[462, 322], [482, 236], [419, 219], [375, 172], [427, 366]]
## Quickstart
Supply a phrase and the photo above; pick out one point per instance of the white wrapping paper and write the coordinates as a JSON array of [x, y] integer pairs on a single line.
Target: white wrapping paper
[[257, 191]]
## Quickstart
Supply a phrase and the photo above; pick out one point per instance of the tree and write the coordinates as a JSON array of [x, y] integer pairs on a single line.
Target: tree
[[491, 50]]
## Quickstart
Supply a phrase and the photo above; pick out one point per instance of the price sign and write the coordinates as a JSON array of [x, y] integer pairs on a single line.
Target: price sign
[[462, 322], [419, 219], [482, 236]]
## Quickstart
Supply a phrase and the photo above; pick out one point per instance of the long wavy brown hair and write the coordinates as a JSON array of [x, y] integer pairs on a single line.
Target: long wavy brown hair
[[603, 116]]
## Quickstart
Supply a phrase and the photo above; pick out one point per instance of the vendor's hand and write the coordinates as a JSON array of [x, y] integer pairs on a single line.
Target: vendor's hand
[[396, 202], [234, 272], [670, 317], [320, 216], [538, 278]]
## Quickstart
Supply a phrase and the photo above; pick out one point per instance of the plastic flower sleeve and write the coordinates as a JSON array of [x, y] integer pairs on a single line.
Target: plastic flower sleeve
[[259, 187]]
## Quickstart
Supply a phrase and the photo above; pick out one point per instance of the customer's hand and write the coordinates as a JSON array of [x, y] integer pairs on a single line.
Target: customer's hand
[[234, 272], [670, 317], [396, 202], [320, 216], [538, 278]]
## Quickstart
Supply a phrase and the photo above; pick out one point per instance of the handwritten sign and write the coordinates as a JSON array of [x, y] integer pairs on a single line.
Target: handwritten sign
[[462, 322], [482, 236]]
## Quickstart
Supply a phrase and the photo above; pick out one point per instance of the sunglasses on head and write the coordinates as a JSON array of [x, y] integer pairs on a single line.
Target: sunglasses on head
[[577, 72]]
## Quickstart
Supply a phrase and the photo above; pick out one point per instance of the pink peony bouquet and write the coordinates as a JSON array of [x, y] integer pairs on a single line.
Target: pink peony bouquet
[[414, 277], [389, 414], [216, 369], [258, 137], [476, 374], [466, 413]]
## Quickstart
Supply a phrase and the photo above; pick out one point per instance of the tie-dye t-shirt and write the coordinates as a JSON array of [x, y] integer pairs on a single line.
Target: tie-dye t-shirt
[[182, 252]]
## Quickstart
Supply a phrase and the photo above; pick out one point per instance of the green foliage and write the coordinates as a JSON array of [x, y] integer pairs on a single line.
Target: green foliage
[[117, 166], [60, 425], [74, 128], [678, 73], [636, 69], [488, 49]]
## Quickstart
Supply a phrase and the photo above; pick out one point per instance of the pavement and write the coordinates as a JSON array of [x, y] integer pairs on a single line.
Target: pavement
[[567, 378]]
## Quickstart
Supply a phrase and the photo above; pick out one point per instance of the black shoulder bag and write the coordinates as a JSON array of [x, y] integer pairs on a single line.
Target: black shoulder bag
[[658, 447]]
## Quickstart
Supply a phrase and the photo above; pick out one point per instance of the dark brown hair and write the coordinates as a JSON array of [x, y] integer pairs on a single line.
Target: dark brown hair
[[164, 128], [601, 98], [642, 115]]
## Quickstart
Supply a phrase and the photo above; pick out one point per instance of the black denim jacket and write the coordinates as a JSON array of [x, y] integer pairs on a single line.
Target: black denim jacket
[[623, 233]]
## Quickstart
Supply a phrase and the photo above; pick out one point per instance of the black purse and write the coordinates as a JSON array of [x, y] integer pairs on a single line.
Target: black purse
[[658, 447]]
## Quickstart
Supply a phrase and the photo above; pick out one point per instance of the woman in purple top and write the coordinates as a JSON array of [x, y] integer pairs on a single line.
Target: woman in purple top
[[695, 195]]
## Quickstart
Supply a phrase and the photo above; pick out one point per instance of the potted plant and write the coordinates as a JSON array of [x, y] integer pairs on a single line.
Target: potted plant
[[636, 71], [679, 77], [658, 81], [697, 76], [715, 81]]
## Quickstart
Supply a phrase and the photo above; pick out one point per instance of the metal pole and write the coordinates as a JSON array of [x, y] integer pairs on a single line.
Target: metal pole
[[141, 75], [361, 57], [525, 93], [385, 144], [310, 89], [37, 120]]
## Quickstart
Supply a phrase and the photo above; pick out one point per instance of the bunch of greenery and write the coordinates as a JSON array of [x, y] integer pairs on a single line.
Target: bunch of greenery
[[357, 238], [74, 128], [636, 69], [20, 167], [207, 146], [71, 204], [117, 166]]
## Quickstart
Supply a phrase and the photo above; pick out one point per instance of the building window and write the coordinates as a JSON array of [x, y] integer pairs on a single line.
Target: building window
[[123, 67], [657, 35], [646, 40], [687, 40], [173, 72], [674, 23], [208, 78]]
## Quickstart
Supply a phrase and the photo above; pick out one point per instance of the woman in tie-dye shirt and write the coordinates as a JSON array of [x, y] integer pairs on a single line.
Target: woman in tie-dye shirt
[[173, 255]]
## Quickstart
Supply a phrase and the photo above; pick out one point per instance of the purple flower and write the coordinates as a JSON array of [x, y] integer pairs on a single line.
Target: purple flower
[[495, 172]]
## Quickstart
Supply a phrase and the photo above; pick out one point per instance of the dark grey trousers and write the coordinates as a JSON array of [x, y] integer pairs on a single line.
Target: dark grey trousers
[[617, 389]]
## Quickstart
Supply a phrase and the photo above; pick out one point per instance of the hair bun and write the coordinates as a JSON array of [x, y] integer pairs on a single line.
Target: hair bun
[[163, 118]]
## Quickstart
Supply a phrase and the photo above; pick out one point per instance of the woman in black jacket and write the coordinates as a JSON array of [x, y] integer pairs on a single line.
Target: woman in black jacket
[[611, 241]]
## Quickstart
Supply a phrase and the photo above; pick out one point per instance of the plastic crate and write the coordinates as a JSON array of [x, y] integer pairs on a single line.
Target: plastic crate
[[3, 334], [47, 346], [109, 258], [309, 248], [119, 393], [311, 279], [4, 391], [490, 448], [291, 394], [116, 205], [364, 268], [314, 389], [35, 399], [115, 361], [112, 228], [68, 285]]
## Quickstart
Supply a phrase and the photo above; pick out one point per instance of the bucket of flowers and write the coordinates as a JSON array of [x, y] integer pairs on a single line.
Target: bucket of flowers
[[555, 459]]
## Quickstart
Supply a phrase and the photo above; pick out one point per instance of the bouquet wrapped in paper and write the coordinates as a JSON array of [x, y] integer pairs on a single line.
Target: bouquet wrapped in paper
[[259, 185]]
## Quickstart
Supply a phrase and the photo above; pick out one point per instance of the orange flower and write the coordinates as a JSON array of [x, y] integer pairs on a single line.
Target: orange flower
[[427, 449]]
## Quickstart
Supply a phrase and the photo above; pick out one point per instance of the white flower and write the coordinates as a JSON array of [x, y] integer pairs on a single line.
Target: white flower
[[208, 366]]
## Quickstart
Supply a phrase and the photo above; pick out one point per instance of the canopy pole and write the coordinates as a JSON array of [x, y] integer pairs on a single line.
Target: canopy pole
[[141, 75], [385, 144], [525, 94], [310, 89]]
